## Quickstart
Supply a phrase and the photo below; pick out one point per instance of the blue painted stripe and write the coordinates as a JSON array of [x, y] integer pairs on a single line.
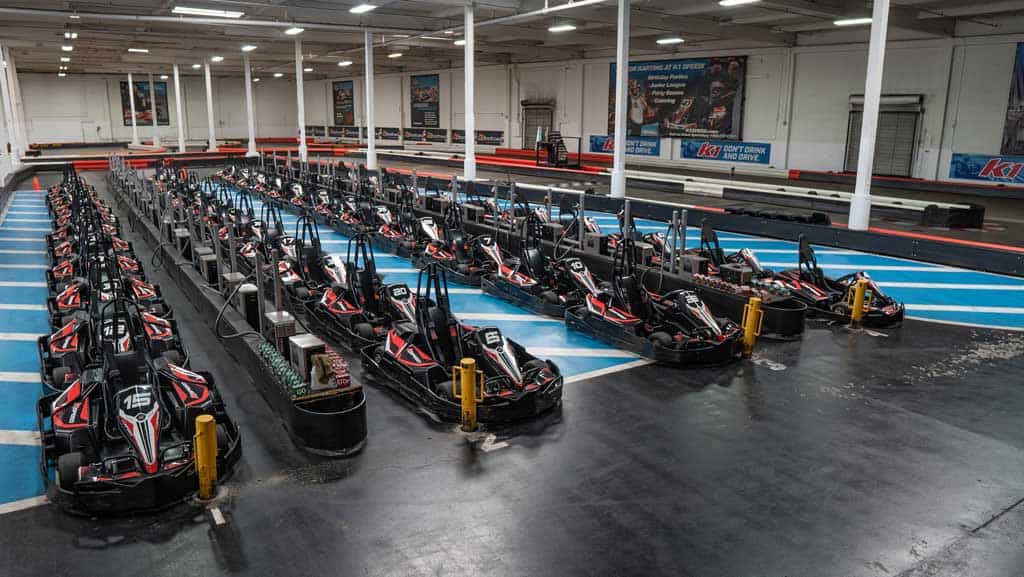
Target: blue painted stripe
[[21, 478], [22, 295], [18, 406], [21, 356], [37, 322], [22, 274]]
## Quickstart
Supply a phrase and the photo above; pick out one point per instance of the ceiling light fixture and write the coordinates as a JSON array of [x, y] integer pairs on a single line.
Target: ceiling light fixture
[[395, 55], [67, 48], [216, 59], [460, 42], [853, 22], [61, 74], [294, 30], [449, 32], [571, 4], [362, 8], [196, 66], [562, 28], [207, 12], [139, 50], [736, 2], [255, 79], [65, 59], [248, 48], [163, 77], [432, 38], [307, 69], [671, 40], [278, 74], [74, 16], [345, 63]]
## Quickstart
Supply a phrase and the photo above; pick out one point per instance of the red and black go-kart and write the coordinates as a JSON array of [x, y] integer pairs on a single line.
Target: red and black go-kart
[[675, 328], [460, 255], [417, 359], [826, 297], [120, 434]]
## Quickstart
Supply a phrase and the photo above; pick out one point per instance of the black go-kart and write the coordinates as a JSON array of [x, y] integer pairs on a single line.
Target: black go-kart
[[675, 327], [120, 432], [460, 255], [416, 359]]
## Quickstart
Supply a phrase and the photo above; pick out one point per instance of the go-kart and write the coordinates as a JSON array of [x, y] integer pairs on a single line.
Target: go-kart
[[416, 359], [460, 255]]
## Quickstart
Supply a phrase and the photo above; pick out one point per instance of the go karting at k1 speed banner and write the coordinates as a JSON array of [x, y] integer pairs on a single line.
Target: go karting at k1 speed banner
[[385, 133], [343, 131], [483, 137], [316, 130], [692, 98], [637, 145], [344, 104], [727, 151], [426, 134], [997, 169], [424, 92]]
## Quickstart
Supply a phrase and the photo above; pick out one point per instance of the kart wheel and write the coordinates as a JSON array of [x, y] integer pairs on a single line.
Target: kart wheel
[[533, 365], [444, 390], [302, 293], [840, 309], [365, 331], [173, 357], [58, 375], [550, 297], [661, 338], [223, 439], [462, 268], [67, 470]]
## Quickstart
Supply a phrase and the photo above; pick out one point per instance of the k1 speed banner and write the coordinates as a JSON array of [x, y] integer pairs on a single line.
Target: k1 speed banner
[[727, 151], [637, 145], [995, 169]]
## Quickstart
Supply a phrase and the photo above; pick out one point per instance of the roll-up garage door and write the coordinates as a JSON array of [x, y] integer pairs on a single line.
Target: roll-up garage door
[[896, 138]]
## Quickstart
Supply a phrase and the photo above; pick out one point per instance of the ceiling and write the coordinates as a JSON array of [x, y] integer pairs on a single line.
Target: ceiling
[[507, 30]]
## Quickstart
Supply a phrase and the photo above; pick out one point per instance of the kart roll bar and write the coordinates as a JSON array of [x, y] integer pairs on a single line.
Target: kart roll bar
[[709, 243]]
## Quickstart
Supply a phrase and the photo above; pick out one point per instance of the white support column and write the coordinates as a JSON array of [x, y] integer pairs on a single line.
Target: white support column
[[152, 109], [180, 118], [371, 121], [860, 204], [131, 100], [248, 107], [8, 104], [209, 109], [20, 124], [621, 101], [469, 164], [300, 99]]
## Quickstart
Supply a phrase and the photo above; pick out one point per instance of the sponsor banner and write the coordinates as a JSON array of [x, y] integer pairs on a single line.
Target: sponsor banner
[[727, 151], [343, 132], [384, 133], [344, 104], [638, 145], [425, 97], [691, 98], [313, 130], [483, 137], [143, 107], [998, 169], [425, 134]]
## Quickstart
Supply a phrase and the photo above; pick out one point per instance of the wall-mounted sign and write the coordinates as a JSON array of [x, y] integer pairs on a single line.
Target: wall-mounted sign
[[996, 169], [426, 134], [384, 133], [483, 137], [638, 145], [727, 151], [314, 130], [425, 97], [143, 107], [344, 104]]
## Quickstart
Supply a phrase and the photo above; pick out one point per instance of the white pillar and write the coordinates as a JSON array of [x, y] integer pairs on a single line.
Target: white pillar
[[20, 124], [180, 118], [248, 107], [301, 102], [469, 164], [371, 121], [209, 109], [152, 108], [8, 102], [131, 100], [621, 101], [860, 204]]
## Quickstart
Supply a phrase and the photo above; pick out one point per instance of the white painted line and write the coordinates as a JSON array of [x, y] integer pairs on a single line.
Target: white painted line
[[869, 268], [26, 228], [953, 286], [608, 370], [19, 377], [22, 284], [14, 307], [18, 251], [23, 504], [20, 336], [21, 239], [27, 220], [31, 266], [967, 309], [972, 325], [218, 517], [574, 352], [399, 270], [36, 212], [24, 438], [465, 291], [504, 317]]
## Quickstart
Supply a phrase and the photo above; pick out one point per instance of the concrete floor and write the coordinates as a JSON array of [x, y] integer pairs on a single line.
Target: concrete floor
[[846, 454]]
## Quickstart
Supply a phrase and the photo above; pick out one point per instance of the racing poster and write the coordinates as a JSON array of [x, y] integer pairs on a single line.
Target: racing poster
[[692, 98], [425, 134], [424, 92], [344, 105], [483, 137], [143, 107], [385, 133]]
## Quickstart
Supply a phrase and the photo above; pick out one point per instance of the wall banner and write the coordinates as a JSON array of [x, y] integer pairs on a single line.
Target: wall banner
[[426, 134], [727, 151], [143, 108], [315, 130], [424, 93], [483, 137], [996, 169], [385, 133], [344, 104], [692, 98], [638, 145]]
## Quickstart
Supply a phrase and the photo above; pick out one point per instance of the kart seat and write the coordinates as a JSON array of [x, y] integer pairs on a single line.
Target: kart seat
[[534, 262], [128, 365], [441, 338], [368, 290], [630, 293]]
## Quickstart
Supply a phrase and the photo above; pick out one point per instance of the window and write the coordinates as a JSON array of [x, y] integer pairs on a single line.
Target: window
[[896, 137]]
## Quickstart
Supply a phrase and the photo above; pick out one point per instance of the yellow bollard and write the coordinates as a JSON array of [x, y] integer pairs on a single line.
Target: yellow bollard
[[752, 318], [857, 308], [204, 448], [464, 388]]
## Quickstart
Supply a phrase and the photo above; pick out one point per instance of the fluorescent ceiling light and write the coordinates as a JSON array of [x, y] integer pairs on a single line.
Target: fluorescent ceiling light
[[163, 77], [432, 38], [853, 22], [139, 50], [216, 59], [248, 48], [362, 8], [207, 12], [562, 28], [672, 40], [63, 68], [65, 59], [294, 30], [67, 48], [571, 4], [307, 69], [460, 42], [74, 16], [61, 74], [278, 74], [345, 63], [736, 2], [197, 66], [395, 55], [255, 79], [449, 32]]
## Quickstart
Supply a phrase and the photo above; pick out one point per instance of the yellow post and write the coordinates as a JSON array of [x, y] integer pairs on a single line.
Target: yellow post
[[467, 379], [752, 317], [857, 309], [204, 447]]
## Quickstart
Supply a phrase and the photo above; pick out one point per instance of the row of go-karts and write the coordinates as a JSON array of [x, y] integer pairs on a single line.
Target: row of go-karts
[[120, 398]]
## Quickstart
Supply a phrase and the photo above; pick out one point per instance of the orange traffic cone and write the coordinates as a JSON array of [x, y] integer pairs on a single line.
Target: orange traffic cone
[[35, 183]]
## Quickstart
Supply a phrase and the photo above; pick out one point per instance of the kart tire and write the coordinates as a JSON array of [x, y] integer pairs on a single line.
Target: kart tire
[[302, 293], [444, 390], [840, 309], [58, 375], [661, 338], [550, 297], [463, 268], [172, 357], [533, 365], [364, 330], [67, 470], [223, 439]]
